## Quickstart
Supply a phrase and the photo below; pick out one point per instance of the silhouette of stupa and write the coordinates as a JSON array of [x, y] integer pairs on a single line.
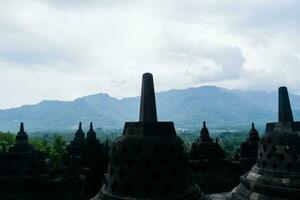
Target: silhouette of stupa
[[148, 161], [204, 135], [205, 147], [249, 147], [91, 135], [277, 172], [21, 143], [79, 136]]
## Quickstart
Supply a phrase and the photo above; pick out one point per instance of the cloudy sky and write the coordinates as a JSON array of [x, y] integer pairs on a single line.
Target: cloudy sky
[[63, 49]]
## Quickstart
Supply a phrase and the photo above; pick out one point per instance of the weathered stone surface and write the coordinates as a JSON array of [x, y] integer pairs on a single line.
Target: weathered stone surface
[[148, 161], [277, 172]]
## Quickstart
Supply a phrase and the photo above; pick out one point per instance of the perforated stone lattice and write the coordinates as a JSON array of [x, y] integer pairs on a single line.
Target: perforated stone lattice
[[166, 167], [279, 152]]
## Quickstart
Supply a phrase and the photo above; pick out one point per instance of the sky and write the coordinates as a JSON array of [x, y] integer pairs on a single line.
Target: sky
[[64, 49]]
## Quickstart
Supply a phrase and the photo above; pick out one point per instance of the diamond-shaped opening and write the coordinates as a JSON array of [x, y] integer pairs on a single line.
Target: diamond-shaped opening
[[139, 149], [289, 167], [155, 175], [280, 156], [156, 150], [148, 163], [139, 175], [121, 173], [275, 166], [264, 164], [129, 163], [174, 172], [124, 149]]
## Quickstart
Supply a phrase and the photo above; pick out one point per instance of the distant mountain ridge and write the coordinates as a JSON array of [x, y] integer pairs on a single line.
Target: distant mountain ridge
[[221, 108]]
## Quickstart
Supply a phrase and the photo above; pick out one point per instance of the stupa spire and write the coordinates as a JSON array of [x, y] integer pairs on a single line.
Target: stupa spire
[[80, 126], [79, 135], [277, 156], [91, 135], [21, 136], [284, 107], [204, 134], [21, 128], [135, 181], [148, 105], [253, 134]]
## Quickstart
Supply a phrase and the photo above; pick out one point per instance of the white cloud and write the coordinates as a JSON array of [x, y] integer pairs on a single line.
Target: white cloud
[[65, 49]]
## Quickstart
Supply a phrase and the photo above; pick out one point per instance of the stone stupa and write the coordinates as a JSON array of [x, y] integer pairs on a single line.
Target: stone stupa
[[249, 148], [148, 161], [205, 148], [276, 175]]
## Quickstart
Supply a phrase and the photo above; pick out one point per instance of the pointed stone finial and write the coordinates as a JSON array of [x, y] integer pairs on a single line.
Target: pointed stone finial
[[253, 134], [22, 128], [79, 135], [148, 105], [284, 107], [80, 126], [22, 136], [204, 134], [91, 135]]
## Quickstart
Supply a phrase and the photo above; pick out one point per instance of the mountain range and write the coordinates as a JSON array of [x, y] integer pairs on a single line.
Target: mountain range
[[222, 109]]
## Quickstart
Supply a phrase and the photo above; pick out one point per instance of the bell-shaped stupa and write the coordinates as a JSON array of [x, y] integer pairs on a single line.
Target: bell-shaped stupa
[[148, 161], [276, 174], [248, 149], [205, 148]]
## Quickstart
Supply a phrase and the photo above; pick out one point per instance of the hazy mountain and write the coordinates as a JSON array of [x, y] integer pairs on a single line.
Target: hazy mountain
[[221, 108]]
